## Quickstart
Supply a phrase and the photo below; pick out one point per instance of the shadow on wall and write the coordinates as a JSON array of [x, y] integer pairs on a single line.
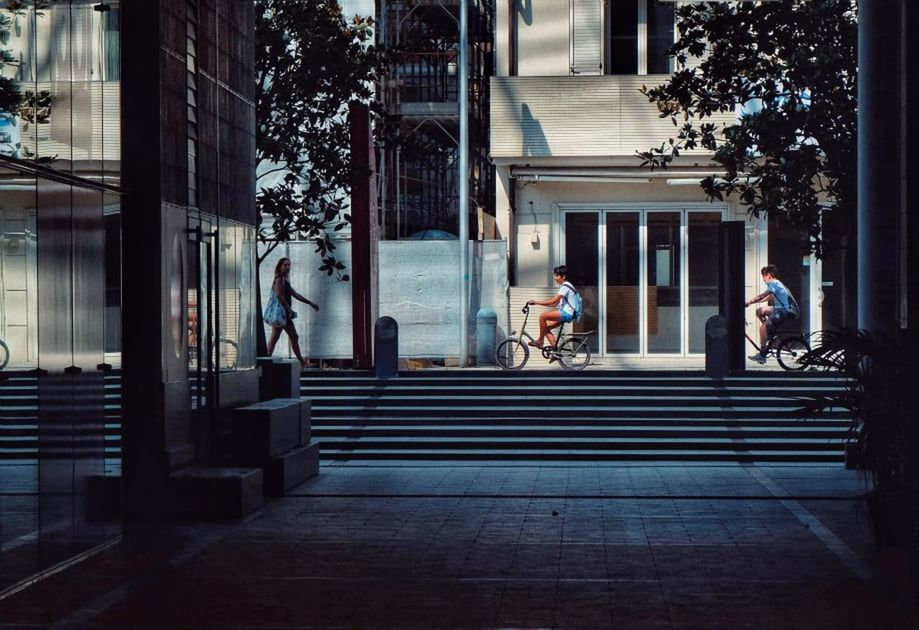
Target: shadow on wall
[[534, 140]]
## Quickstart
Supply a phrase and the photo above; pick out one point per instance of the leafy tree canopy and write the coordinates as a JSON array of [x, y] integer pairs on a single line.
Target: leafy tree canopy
[[310, 63], [791, 66]]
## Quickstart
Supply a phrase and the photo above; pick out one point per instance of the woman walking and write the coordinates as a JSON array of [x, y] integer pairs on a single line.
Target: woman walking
[[279, 314]]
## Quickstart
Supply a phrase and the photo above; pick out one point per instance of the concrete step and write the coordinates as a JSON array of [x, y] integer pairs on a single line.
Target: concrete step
[[586, 455]]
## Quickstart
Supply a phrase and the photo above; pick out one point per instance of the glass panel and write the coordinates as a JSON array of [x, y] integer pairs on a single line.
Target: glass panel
[[235, 266], [660, 36], [19, 519], [788, 252], [702, 252], [583, 260], [664, 282], [622, 316], [623, 36]]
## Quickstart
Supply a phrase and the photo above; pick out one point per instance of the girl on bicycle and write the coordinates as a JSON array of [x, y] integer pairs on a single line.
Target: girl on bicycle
[[552, 319], [279, 314]]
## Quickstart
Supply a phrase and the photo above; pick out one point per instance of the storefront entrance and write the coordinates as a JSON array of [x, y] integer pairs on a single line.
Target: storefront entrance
[[648, 275]]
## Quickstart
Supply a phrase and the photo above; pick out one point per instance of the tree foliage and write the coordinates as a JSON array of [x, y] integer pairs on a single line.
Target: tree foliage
[[791, 66], [310, 64]]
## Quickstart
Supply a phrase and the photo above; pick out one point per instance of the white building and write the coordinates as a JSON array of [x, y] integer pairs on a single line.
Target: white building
[[567, 119]]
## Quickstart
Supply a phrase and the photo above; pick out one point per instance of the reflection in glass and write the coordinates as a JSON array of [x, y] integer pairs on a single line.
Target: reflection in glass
[[582, 260], [68, 72], [622, 278], [702, 253], [236, 294], [624, 36], [664, 329], [660, 36]]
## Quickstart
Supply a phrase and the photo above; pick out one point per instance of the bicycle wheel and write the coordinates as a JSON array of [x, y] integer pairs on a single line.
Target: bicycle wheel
[[791, 352], [4, 354], [574, 354], [512, 354]]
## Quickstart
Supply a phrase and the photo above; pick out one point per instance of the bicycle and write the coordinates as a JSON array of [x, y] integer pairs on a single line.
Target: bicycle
[[570, 349], [788, 349], [4, 354]]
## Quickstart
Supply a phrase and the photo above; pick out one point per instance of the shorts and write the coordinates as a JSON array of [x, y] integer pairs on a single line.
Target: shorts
[[777, 317], [567, 317]]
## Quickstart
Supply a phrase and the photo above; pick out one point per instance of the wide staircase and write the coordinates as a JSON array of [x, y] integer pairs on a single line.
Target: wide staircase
[[587, 416]]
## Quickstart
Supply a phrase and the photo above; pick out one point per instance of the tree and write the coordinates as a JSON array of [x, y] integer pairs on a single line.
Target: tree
[[310, 63], [791, 66]]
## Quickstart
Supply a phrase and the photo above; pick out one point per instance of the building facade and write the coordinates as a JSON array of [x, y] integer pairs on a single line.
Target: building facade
[[127, 263], [567, 119]]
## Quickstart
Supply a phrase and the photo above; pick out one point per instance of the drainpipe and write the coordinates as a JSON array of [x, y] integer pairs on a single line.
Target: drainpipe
[[463, 66]]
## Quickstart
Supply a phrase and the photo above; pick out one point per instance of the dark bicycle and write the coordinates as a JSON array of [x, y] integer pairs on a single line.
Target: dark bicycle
[[4, 354], [570, 349], [788, 347]]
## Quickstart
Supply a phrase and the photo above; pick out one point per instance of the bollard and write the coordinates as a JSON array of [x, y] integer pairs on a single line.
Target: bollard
[[386, 348], [716, 347], [486, 324]]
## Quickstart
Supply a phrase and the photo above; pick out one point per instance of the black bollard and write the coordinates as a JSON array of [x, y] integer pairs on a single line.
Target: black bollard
[[386, 348], [717, 349]]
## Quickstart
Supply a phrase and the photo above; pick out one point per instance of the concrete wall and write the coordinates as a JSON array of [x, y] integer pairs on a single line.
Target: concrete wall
[[419, 287]]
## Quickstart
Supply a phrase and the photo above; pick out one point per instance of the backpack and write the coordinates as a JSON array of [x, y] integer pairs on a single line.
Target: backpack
[[794, 311], [578, 305]]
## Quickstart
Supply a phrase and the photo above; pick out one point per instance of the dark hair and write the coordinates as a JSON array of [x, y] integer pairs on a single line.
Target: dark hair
[[771, 270], [277, 267], [561, 270]]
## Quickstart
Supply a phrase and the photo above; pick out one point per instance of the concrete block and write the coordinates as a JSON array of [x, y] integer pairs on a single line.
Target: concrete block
[[279, 378], [205, 493], [290, 469], [305, 416], [265, 429]]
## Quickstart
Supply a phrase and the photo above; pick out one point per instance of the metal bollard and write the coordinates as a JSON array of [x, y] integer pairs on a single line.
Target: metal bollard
[[717, 348], [386, 348], [486, 325]]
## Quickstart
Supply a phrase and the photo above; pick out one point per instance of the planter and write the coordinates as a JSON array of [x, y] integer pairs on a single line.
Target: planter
[[894, 519]]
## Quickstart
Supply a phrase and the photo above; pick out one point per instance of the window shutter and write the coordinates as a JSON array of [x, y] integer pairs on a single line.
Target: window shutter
[[586, 28]]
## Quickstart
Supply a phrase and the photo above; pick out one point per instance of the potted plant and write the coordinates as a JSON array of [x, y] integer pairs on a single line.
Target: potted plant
[[880, 393]]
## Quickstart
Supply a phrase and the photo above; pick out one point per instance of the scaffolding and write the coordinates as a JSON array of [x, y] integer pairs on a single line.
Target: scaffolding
[[419, 185]]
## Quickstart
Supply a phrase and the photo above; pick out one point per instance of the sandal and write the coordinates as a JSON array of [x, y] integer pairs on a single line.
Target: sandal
[[533, 344]]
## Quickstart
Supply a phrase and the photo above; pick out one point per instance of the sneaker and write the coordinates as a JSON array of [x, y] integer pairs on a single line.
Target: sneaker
[[759, 358]]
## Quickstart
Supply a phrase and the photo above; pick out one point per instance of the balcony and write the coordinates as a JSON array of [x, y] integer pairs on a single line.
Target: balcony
[[577, 116]]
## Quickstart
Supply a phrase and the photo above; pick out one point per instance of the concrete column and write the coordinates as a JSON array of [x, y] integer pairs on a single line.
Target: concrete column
[[879, 182]]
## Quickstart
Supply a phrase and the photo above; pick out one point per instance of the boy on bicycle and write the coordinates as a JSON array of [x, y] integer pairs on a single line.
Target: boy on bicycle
[[771, 315], [552, 319]]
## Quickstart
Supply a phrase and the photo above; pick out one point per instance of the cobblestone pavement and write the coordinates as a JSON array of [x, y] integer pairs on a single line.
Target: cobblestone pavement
[[466, 546]]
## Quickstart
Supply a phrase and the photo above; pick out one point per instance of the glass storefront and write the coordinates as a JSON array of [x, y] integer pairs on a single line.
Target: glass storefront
[[60, 275], [654, 271]]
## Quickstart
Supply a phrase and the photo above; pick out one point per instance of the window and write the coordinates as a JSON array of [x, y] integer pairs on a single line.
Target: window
[[640, 32]]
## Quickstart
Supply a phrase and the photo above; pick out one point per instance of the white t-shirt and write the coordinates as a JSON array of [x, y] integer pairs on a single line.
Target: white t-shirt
[[567, 303]]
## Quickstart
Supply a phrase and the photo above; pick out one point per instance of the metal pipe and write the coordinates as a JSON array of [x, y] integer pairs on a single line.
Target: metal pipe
[[463, 69]]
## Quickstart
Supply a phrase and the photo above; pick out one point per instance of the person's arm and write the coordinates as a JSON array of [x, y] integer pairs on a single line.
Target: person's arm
[[762, 297], [550, 302], [303, 299]]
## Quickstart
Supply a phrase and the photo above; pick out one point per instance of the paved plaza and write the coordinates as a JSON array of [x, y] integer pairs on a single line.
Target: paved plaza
[[508, 546]]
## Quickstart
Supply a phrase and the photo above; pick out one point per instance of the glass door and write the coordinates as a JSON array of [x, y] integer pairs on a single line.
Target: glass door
[[655, 273], [202, 332], [622, 283], [663, 298]]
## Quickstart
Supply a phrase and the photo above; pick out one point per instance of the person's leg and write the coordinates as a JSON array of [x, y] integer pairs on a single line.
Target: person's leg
[[295, 343], [763, 314], [547, 320], [273, 339]]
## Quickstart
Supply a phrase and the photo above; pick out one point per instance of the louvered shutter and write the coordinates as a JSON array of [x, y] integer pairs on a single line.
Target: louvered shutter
[[586, 31]]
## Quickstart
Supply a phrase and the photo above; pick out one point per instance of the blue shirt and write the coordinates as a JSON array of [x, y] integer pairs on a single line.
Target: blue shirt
[[780, 295]]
